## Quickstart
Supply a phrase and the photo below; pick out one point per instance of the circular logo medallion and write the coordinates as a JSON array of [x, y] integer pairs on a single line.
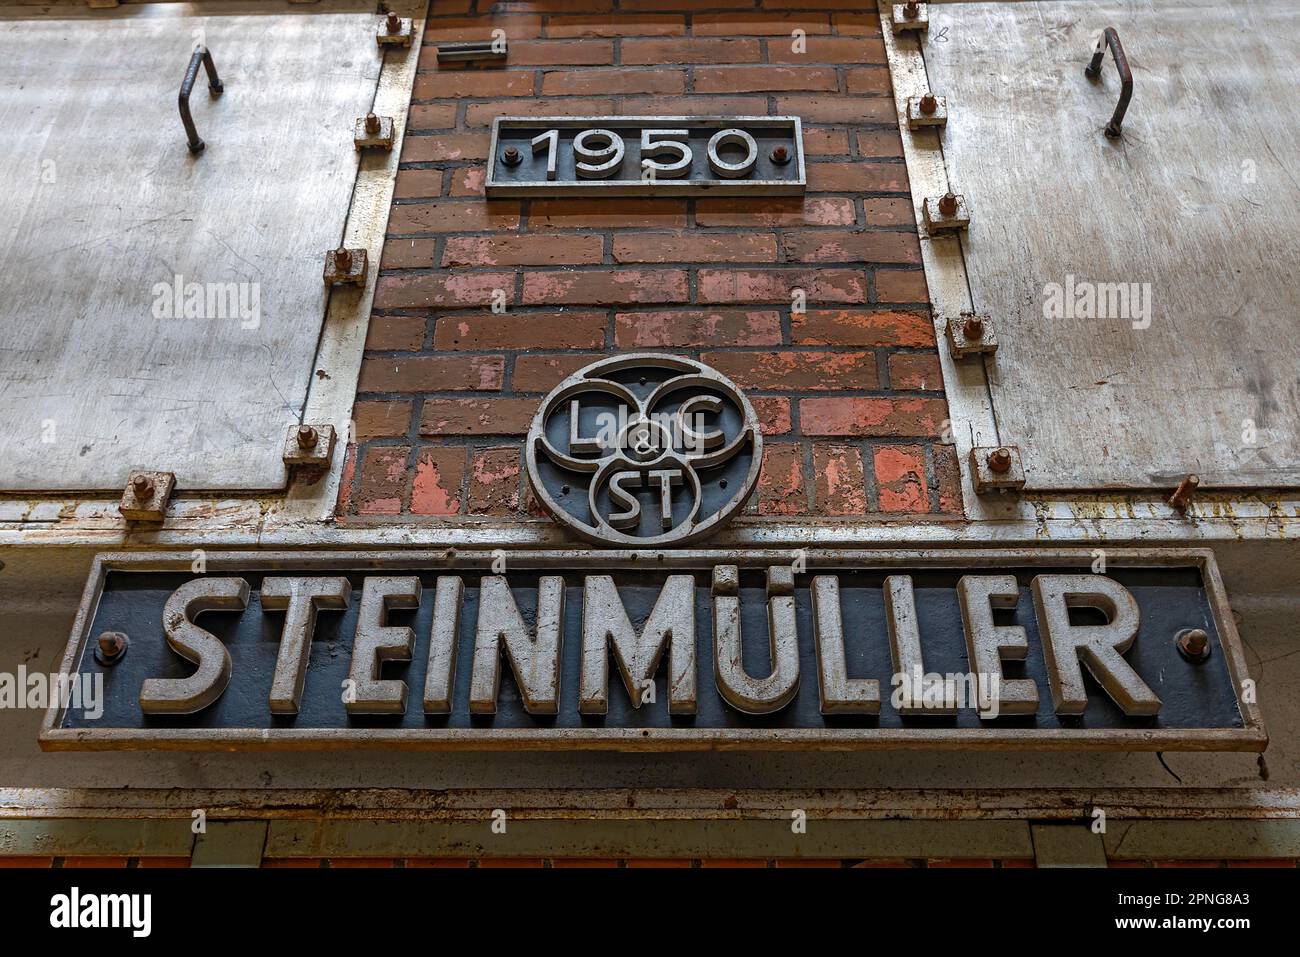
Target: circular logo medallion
[[644, 449]]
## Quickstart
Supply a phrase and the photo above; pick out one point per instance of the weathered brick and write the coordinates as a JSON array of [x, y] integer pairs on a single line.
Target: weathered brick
[[825, 142], [796, 371], [856, 23], [467, 181], [775, 211], [444, 147], [417, 183], [455, 84], [694, 247], [439, 480], [395, 333], [381, 420], [837, 109], [747, 79], [562, 53], [439, 29], [543, 373], [857, 177], [896, 285], [607, 214], [730, 105], [868, 80], [482, 114], [522, 250], [947, 476], [408, 254], [609, 82], [706, 51], [494, 481], [879, 144], [872, 415], [758, 23], [778, 285], [605, 286], [347, 479], [382, 485], [839, 246], [915, 372], [889, 212], [900, 478], [781, 488], [431, 374], [431, 116], [689, 328], [558, 330], [497, 416], [832, 50], [839, 481], [453, 216], [773, 413], [447, 290], [626, 24]]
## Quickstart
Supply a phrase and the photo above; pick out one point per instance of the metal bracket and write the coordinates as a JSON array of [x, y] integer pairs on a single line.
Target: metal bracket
[[146, 495], [946, 213], [970, 335], [373, 131], [346, 266], [926, 110], [910, 16], [309, 445], [996, 468], [394, 31], [215, 87], [1110, 38], [473, 50]]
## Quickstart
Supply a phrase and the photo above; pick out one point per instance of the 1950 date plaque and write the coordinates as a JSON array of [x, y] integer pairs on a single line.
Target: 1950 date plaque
[[646, 156]]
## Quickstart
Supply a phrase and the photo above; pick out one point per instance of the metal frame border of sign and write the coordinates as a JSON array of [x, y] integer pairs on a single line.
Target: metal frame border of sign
[[661, 187], [1250, 737]]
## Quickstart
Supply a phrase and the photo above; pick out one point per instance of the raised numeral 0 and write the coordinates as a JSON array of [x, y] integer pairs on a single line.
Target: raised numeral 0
[[732, 137], [598, 163], [657, 143]]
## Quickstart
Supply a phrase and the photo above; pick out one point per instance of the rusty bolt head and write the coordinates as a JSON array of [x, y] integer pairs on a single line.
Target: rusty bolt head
[[780, 154], [343, 260], [911, 9], [110, 646], [372, 123], [929, 104], [307, 436], [393, 22], [1185, 492], [1193, 644], [948, 203], [511, 156], [973, 328], [142, 487], [1000, 460]]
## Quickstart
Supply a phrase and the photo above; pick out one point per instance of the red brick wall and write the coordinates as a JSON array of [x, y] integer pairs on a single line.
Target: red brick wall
[[849, 391]]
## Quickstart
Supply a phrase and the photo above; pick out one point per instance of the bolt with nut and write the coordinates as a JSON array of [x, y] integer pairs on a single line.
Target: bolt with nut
[[929, 103], [1193, 644], [948, 203], [142, 487], [911, 9], [307, 436], [393, 22], [973, 328], [372, 124], [343, 260], [780, 154], [1000, 460]]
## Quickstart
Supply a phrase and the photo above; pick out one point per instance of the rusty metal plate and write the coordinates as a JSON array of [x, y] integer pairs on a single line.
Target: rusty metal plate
[[646, 156], [655, 650]]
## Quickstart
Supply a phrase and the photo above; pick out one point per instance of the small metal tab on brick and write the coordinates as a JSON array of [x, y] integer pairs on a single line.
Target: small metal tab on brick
[[344, 266], [911, 16], [946, 213], [926, 110], [473, 50], [394, 31], [308, 444], [996, 468], [373, 131], [146, 495], [970, 334]]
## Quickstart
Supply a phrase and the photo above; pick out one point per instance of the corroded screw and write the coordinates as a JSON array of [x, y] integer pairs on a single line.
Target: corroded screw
[[372, 123], [511, 156], [973, 328], [1000, 460], [110, 646], [343, 260], [780, 154], [1193, 644], [911, 9], [948, 203], [142, 487], [393, 22], [929, 104], [306, 436], [1185, 492]]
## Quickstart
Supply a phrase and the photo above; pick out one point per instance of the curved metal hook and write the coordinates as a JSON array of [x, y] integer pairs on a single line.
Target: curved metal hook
[[1093, 70], [201, 54]]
